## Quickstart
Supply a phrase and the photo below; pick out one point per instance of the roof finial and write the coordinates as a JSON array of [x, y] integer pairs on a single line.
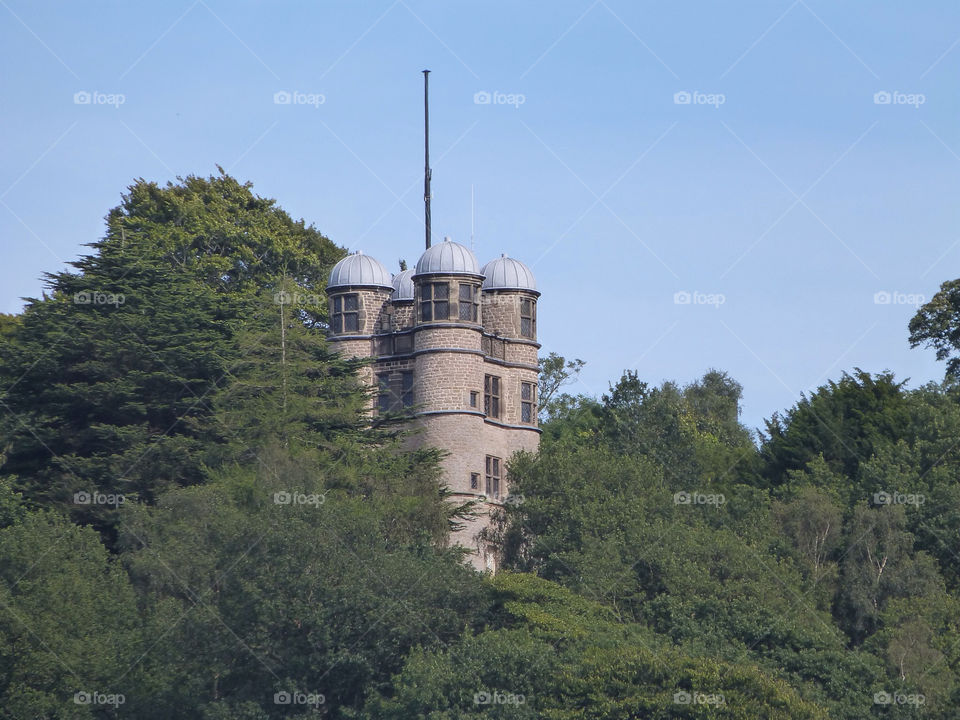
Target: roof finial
[[427, 173]]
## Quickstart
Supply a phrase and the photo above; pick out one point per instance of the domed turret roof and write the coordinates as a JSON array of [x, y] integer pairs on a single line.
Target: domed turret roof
[[403, 285], [359, 270], [448, 258], [505, 273]]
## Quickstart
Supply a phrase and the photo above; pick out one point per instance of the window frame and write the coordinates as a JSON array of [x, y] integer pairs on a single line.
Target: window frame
[[528, 315], [493, 396], [469, 306], [429, 302], [384, 393], [493, 476], [341, 313], [528, 404], [395, 391], [406, 389]]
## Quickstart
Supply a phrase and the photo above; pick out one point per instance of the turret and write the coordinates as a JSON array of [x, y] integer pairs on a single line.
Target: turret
[[357, 294]]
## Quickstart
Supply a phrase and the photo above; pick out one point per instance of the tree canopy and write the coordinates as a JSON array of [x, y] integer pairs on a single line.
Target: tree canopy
[[198, 519]]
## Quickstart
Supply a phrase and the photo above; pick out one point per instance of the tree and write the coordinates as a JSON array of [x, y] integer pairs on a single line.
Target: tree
[[68, 624], [555, 372], [813, 522], [937, 325], [879, 564], [107, 381], [845, 421]]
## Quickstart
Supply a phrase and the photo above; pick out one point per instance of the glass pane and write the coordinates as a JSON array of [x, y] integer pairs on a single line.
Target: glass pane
[[496, 467], [407, 381], [441, 291], [337, 324], [426, 311], [441, 309], [494, 407], [526, 327], [466, 292], [494, 385], [350, 302], [466, 311], [526, 412], [525, 391], [425, 292], [351, 322], [338, 304]]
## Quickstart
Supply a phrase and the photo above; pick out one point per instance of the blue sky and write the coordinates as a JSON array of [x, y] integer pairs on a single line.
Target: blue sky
[[780, 200]]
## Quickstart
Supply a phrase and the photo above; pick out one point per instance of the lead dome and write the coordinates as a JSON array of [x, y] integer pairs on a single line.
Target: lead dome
[[448, 258], [403, 286], [359, 270], [506, 273]]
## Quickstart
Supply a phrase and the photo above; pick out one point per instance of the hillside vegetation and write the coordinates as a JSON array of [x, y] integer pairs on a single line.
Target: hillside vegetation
[[197, 520]]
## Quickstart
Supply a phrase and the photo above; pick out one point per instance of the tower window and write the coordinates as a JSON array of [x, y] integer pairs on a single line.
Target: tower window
[[434, 302], [469, 308], [474, 398], [406, 388], [395, 391], [528, 397], [493, 477], [491, 396], [346, 313], [384, 396], [528, 318], [474, 481]]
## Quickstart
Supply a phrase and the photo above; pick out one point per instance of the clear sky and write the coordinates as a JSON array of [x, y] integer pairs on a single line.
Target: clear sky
[[782, 196]]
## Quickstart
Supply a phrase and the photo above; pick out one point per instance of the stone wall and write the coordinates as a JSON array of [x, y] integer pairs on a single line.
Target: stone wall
[[448, 362]]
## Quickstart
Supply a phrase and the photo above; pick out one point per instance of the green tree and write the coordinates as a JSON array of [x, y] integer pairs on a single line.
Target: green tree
[[937, 325], [107, 381]]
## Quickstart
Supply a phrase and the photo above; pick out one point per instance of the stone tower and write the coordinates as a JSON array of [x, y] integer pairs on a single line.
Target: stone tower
[[456, 347]]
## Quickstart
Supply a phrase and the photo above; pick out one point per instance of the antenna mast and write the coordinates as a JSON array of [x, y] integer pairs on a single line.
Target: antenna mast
[[426, 155]]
